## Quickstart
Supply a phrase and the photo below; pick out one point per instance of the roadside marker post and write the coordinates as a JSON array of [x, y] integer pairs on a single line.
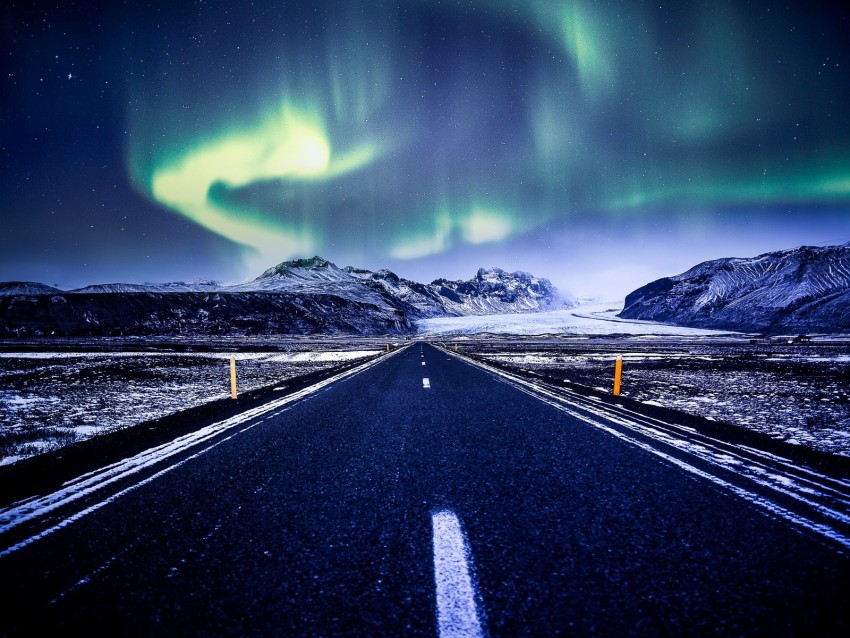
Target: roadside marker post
[[618, 373], [455, 347], [232, 377]]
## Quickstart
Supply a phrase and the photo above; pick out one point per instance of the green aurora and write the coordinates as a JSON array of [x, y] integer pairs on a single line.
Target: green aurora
[[501, 117], [392, 133]]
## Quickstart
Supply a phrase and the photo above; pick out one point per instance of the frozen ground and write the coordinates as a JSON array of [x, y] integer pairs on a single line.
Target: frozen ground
[[795, 392], [595, 318], [799, 393], [50, 399]]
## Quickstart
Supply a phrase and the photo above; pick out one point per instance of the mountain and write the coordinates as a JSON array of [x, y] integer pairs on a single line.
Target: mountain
[[802, 290], [491, 291], [174, 286], [303, 296], [26, 288], [193, 314], [320, 276], [495, 291]]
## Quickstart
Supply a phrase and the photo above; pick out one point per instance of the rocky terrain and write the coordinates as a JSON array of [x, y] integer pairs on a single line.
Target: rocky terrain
[[797, 392], [306, 296], [799, 291]]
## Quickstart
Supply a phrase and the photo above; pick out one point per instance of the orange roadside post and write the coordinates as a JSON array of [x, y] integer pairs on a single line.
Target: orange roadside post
[[232, 377], [618, 373]]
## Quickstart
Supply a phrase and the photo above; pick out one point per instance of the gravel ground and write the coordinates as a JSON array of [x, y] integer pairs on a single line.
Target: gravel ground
[[51, 399], [796, 392]]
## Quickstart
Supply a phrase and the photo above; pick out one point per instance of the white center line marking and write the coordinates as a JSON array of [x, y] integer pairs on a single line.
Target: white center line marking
[[457, 616], [426, 383], [423, 363]]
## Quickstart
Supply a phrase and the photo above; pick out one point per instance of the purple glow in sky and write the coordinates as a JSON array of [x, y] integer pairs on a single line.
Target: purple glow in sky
[[599, 145]]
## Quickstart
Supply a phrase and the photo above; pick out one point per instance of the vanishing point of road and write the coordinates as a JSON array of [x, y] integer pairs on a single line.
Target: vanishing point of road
[[423, 495]]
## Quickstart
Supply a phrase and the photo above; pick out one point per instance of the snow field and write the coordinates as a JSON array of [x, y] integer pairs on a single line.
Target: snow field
[[801, 397], [589, 319], [49, 399]]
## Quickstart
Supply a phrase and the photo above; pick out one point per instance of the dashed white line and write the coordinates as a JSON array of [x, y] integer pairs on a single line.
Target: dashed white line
[[423, 363], [426, 382], [457, 614]]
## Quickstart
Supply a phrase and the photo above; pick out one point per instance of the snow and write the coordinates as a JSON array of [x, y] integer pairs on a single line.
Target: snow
[[800, 395], [318, 355], [490, 291], [772, 474], [594, 318], [17, 401], [323, 356], [50, 399], [15, 288], [803, 290]]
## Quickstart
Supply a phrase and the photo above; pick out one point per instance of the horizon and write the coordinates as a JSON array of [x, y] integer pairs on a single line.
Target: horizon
[[598, 147], [563, 294]]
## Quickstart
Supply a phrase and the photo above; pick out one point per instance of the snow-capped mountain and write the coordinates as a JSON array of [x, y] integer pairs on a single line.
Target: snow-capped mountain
[[495, 291], [491, 291], [26, 288], [316, 276], [301, 296], [802, 290], [299, 273], [173, 286]]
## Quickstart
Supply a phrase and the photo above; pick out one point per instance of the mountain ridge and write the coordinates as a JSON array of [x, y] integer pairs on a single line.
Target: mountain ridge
[[327, 298], [798, 290]]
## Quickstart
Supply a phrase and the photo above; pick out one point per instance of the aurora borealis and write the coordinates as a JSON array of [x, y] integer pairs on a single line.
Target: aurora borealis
[[600, 144]]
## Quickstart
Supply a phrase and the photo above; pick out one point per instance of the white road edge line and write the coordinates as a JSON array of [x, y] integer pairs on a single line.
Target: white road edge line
[[457, 614], [426, 382], [550, 398], [38, 507]]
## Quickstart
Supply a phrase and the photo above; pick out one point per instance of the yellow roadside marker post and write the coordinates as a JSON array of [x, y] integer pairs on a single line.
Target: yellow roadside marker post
[[232, 377], [618, 373]]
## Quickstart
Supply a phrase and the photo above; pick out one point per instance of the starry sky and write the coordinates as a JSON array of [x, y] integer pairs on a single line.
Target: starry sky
[[601, 144]]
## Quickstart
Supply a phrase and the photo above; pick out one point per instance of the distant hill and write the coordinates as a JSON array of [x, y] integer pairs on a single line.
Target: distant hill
[[490, 291], [27, 288], [803, 290], [304, 296]]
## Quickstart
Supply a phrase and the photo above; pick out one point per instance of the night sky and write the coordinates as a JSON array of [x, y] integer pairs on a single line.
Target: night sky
[[599, 144]]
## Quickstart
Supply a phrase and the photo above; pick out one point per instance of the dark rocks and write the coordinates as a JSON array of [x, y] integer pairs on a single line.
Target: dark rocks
[[804, 290]]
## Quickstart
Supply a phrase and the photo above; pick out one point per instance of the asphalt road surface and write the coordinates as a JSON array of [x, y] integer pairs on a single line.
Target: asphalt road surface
[[425, 496]]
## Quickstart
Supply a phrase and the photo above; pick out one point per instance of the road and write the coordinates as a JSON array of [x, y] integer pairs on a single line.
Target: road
[[426, 496]]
